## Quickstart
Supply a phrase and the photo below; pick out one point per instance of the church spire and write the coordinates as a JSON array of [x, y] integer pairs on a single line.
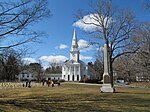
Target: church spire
[[74, 52], [74, 40]]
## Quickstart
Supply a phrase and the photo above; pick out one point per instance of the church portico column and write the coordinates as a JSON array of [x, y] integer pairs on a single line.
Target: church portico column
[[69, 70], [66, 73], [75, 77], [79, 73], [71, 77], [75, 73], [71, 73]]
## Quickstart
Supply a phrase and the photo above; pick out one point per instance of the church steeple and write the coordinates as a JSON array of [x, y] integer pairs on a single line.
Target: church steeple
[[74, 41], [74, 52]]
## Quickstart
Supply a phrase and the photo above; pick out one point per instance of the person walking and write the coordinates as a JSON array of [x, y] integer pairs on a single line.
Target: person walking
[[48, 82], [52, 83]]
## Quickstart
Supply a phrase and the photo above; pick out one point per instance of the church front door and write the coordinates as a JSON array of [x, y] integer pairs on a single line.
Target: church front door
[[77, 77], [68, 77], [72, 77]]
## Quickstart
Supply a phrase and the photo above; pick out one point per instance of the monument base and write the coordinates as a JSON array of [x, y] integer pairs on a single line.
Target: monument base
[[107, 88]]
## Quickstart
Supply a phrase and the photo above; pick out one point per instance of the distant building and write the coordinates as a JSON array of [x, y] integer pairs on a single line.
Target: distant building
[[75, 69], [142, 77], [26, 75], [53, 76], [30, 73]]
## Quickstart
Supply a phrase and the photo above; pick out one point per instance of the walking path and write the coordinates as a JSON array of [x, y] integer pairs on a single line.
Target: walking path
[[116, 85], [82, 83]]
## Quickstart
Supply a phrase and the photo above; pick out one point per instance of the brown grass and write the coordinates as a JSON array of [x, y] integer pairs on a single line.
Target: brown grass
[[74, 97]]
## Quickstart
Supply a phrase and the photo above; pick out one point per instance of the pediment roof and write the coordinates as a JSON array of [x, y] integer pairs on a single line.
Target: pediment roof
[[73, 62]]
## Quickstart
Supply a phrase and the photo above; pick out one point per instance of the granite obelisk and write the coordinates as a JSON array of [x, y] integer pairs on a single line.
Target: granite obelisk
[[106, 87]]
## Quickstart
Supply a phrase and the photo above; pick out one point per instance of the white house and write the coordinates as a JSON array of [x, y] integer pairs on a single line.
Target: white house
[[75, 69], [26, 75], [53, 76]]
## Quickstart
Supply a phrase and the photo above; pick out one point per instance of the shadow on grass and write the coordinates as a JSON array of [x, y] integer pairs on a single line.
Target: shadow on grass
[[130, 93], [69, 98], [55, 106], [99, 105]]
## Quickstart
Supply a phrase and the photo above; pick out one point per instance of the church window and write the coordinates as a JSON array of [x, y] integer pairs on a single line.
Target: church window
[[22, 75], [64, 76], [27, 75]]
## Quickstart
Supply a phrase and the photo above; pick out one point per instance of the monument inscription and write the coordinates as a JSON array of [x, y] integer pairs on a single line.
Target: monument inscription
[[106, 79]]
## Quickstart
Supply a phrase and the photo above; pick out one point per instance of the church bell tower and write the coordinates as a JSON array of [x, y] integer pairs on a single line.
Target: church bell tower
[[74, 52]]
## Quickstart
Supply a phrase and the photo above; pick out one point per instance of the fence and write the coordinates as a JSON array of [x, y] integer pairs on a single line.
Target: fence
[[5, 85]]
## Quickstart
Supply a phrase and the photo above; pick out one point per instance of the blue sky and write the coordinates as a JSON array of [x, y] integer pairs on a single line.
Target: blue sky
[[59, 29]]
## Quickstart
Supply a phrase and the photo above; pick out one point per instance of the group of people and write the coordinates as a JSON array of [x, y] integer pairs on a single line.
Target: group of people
[[50, 82], [27, 83]]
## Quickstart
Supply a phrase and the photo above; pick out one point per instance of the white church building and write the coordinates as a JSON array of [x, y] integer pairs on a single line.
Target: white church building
[[75, 69]]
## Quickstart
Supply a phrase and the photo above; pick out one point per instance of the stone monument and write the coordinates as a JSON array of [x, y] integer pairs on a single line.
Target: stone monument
[[106, 87]]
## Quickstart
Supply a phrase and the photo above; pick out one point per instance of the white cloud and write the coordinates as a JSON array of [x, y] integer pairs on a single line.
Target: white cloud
[[87, 23], [46, 60], [61, 46], [87, 19], [82, 43], [29, 60], [90, 48], [85, 57], [84, 46], [52, 59]]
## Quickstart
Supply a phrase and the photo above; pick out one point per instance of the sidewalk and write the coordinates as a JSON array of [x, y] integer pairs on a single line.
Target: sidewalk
[[82, 83]]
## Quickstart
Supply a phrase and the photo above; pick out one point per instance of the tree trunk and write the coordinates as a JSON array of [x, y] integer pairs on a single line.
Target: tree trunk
[[110, 67], [110, 63], [111, 74]]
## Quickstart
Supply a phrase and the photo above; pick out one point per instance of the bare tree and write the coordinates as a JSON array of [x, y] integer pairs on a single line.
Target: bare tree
[[142, 58], [54, 67], [10, 63], [146, 5], [113, 26], [98, 66], [139, 64], [36, 69], [17, 16], [125, 69]]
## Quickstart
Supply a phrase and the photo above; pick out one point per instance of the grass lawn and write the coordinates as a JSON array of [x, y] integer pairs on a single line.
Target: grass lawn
[[74, 98]]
